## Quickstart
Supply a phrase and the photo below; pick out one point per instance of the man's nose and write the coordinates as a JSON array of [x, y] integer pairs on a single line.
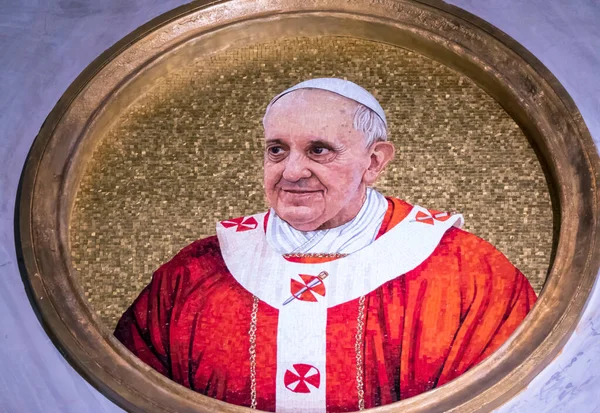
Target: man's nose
[[296, 168]]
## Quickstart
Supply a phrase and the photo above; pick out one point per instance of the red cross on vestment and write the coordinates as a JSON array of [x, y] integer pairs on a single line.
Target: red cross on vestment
[[431, 216], [313, 283], [241, 223], [298, 378]]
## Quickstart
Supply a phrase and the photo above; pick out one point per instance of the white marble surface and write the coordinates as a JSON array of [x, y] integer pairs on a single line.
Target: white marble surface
[[44, 45]]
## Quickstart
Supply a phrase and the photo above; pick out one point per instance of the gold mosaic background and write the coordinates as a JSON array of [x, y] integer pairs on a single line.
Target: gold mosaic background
[[189, 153]]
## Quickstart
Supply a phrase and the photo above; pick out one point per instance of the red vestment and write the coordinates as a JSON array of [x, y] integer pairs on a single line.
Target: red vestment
[[421, 329]]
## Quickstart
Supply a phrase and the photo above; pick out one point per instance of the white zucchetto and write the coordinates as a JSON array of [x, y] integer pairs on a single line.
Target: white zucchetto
[[342, 87]]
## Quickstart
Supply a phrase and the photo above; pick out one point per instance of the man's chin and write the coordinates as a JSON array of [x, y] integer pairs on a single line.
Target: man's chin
[[301, 218]]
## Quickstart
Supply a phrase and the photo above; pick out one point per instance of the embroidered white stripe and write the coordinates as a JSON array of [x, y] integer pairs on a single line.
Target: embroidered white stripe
[[301, 343], [301, 334]]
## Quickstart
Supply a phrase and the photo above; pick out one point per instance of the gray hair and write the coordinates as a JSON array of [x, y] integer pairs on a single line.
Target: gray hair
[[369, 123]]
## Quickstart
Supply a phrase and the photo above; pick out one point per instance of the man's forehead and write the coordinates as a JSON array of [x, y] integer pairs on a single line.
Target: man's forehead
[[311, 116], [308, 119], [311, 105], [286, 139]]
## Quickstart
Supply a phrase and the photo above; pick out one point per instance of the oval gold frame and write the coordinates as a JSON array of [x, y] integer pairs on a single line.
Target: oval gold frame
[[522, 85]]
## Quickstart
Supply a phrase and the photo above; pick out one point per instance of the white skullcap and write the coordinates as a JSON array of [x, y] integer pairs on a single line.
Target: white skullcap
[[342, 87]]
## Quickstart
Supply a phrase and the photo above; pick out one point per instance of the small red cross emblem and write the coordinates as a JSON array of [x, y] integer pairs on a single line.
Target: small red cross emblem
[[241, 223], [431, 216], [296, 380], [312, 285]]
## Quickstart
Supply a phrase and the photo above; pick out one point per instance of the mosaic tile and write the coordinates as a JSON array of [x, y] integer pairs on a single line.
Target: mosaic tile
[[189, 153]]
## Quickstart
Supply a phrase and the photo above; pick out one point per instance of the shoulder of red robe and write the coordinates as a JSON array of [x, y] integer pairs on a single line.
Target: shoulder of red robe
[[200, 250], [455, 237], [203, 256]]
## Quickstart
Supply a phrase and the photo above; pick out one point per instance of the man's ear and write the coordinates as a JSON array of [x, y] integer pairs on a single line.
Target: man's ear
[[382, 152]]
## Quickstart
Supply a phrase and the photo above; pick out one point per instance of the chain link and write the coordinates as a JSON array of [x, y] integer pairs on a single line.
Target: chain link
[[252, 335], [358, 348], [314, 255]]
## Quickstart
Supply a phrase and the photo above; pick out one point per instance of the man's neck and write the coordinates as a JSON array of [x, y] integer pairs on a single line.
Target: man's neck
[[348, 237], [345, 217]]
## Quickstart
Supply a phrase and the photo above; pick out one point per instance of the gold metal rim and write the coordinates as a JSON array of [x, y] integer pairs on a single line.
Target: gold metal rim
[[522, 85]]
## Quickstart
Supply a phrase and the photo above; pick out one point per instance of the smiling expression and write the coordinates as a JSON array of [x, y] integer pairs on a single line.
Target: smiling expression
[[315, 162]]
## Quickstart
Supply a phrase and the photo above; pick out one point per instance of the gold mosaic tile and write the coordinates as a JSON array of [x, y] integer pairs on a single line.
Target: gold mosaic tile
[[189, 153]]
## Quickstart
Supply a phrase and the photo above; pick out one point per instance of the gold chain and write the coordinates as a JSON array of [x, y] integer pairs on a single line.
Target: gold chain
[[314, 255], [359, 354], [252, 334]]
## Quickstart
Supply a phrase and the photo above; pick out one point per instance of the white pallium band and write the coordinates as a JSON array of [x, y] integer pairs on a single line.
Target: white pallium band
[[301, 341], [301, 333]]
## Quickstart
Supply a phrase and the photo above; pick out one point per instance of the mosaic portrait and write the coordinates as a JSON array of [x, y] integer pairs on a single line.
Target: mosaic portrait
[[332, 269]]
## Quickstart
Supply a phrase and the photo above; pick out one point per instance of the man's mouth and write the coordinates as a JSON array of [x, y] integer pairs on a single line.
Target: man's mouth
[[299, 191]]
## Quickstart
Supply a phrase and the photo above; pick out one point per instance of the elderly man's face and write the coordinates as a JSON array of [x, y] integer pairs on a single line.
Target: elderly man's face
[[316, 164]]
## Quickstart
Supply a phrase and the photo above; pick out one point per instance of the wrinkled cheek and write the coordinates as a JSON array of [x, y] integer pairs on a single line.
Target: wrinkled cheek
[[271, 177], [271, 195]]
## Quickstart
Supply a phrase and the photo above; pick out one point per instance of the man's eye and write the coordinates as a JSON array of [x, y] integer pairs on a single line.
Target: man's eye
[[275, 150], [319, 150]]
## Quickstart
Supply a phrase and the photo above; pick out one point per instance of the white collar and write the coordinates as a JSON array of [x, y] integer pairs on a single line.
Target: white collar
[[345, 239]]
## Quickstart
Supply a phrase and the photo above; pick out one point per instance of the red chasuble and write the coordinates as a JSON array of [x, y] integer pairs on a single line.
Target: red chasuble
[[416, 331]]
